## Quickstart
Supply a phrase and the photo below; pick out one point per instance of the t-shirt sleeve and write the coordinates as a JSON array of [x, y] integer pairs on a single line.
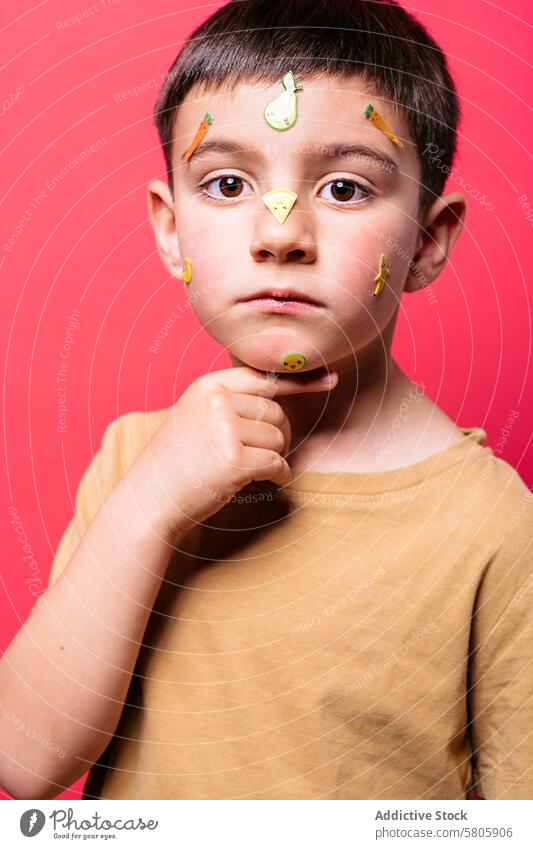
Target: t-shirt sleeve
[[501, 668], [98, 479]]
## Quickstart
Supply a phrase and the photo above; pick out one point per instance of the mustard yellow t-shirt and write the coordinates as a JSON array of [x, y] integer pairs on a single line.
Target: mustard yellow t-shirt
[[348, 636]]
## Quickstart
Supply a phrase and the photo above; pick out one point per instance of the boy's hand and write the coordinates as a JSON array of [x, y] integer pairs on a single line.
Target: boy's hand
[[224, 432]]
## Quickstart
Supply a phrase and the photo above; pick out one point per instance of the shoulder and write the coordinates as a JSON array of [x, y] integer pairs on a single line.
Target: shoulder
[[490, 493], [488, 484], [494, 498], [504, 493]]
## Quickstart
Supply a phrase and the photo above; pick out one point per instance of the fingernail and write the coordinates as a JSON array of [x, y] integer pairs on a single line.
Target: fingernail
[[329, 378]]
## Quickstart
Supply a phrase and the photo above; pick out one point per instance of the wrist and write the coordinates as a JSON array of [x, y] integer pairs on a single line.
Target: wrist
[[149, 504]]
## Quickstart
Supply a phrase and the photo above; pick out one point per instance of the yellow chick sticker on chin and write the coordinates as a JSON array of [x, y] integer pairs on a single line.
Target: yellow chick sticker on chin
[[293, 361], [281, 113], [279, 202]]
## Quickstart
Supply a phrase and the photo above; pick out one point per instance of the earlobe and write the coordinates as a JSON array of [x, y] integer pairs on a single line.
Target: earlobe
[[440, 227], [163, 220]]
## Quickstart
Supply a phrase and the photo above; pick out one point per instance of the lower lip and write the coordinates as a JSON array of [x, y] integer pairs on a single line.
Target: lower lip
[[273, 305]]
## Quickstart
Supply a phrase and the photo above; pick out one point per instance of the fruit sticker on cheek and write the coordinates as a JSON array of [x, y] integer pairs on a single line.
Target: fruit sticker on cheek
[[186, 274], [382, 275]]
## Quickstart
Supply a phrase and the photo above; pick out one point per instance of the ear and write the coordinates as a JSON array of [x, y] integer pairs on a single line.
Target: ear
[[163, 220], [439, 229]]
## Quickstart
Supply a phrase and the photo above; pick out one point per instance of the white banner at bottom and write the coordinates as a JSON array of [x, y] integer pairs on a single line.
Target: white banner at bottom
[[265, 824]]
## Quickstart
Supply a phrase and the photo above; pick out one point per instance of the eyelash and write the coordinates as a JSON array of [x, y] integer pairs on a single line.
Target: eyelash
[[229, 201]]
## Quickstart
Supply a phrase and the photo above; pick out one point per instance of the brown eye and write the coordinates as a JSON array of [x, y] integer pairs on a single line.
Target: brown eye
[[230, 187], [345, 191], [342, 190], [226, 186]]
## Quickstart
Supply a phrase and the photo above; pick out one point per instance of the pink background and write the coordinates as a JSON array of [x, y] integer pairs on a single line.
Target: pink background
[[88, 245]]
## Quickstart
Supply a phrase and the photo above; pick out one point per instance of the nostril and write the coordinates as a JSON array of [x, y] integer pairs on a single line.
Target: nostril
[[296, 254], [280, 253], [263, 254]]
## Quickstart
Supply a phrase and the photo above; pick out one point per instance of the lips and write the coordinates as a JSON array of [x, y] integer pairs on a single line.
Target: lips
[[283, 295]]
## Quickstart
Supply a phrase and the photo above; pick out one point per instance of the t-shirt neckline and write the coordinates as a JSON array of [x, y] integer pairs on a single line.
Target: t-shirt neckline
[[371, 483]]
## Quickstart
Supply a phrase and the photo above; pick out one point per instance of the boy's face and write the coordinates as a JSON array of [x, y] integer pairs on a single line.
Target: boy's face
[[352, 206]]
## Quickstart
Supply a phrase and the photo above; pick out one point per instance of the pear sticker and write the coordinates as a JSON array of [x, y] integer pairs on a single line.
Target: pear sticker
[[280, 202], [280, 113]]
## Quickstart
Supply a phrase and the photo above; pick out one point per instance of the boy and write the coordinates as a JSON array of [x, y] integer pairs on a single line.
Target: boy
[[272, 598]]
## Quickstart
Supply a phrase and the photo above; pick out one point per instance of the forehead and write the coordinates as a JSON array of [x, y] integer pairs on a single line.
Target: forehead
[[330, 109]]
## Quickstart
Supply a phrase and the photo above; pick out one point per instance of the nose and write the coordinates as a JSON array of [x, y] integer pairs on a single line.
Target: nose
[[292, 241]]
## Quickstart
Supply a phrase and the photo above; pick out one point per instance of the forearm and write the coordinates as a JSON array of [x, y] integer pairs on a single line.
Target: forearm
[[66, 673]]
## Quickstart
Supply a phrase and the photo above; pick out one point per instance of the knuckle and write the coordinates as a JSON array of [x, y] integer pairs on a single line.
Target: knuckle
[[276, 461], [216, 400], [209, 383], [262, 410], [281, 439], [202, 383], [278, 414]]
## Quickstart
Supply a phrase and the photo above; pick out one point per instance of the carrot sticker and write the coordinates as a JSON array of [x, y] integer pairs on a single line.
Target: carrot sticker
[[374, 116], [200, 133]]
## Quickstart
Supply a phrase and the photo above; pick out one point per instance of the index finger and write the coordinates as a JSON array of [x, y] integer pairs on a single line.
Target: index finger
[[254, 381]]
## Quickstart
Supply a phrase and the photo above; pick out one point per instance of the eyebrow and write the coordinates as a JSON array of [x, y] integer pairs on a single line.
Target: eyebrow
[[321, 151]]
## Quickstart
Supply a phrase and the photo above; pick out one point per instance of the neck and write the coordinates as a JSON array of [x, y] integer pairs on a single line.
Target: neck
[[346, 425], [358, 403]]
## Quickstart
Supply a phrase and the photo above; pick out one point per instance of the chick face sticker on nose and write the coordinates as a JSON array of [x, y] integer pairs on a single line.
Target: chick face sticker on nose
[[279, 202]]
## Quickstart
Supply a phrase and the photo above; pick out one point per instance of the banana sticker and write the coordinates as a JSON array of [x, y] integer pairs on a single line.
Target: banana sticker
[[186, 275], [381, 276]]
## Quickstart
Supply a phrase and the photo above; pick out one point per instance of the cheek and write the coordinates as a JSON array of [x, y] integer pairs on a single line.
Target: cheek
[[216, 250], [210, 229], [354, 264], [209, 297], [357, 264]]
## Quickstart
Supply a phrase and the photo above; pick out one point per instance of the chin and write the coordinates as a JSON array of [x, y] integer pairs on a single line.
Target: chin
[[269, 350]]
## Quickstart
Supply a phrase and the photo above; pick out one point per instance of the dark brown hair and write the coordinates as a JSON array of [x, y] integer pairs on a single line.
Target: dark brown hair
[[376, 40]]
